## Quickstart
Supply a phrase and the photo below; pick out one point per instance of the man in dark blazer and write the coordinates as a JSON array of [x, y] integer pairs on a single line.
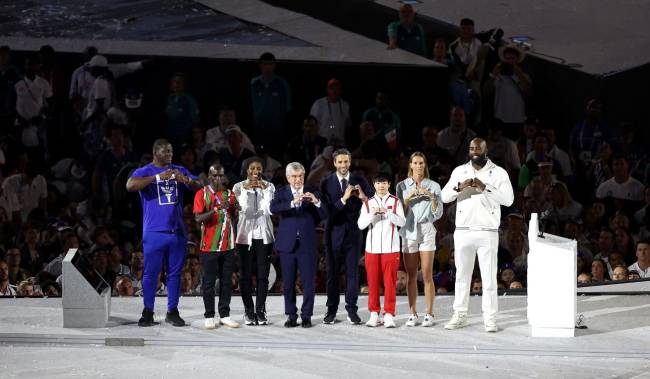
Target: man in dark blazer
[[300, 210], [343, 196]]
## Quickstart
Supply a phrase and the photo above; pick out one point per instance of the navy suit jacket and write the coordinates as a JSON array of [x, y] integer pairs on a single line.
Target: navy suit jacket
[[342, 216], [303, 219]]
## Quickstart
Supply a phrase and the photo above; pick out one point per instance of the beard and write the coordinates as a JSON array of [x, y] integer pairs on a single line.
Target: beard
[[479, 160]]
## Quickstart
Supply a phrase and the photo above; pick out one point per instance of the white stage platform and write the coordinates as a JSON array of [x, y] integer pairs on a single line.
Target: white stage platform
[[34, 344]]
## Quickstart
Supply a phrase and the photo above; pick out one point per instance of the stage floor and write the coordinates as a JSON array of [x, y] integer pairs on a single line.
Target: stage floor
[[33, 344]]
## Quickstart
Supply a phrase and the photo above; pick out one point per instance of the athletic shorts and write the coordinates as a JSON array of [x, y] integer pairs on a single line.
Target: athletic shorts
[[426, 239]]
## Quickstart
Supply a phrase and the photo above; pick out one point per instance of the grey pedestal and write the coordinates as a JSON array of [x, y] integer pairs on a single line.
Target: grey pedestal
[[86, 295]]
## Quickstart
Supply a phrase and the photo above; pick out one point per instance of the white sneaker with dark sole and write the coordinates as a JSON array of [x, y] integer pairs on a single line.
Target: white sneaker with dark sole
[[428, 320]]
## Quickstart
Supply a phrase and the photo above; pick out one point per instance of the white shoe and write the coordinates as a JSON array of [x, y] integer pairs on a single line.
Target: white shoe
[[374, 320], [428, 320], [209, 323], [458, 320], [227, 321], [389, 322], [491, 325], [413, 320]]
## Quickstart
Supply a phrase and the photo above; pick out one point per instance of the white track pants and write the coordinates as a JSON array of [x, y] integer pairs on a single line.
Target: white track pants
[[467, 244]]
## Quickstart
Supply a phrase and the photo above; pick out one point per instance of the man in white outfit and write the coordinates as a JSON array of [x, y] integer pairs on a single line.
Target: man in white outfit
[[480, 188]]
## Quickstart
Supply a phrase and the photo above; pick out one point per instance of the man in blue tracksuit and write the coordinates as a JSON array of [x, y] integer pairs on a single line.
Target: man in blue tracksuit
[[161, 185]]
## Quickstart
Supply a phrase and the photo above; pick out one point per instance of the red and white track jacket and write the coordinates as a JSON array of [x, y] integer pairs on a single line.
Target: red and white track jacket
[[383, 236]]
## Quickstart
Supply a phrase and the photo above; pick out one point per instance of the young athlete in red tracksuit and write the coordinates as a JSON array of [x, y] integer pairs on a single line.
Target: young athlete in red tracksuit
[[382, 215]]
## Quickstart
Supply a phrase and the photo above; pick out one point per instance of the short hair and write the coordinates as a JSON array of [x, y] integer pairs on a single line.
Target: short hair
[[266, 57], [341, 151], [466, 22], [311, 117], [641, 241], [381, 177], [294, 166], [159, 144]]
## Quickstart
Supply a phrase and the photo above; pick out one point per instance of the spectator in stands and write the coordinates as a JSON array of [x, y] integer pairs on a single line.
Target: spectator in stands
[[621, 186], [605, 244], [555, 153], [216, 137], [440, 52], [16, 274], [9, 75], [386, 122], [530, 170], [26, 289], [271, 97], [640, 215], [511, 88], [624, 243], [322, 166], [182, 111], [124, 286], [477, 286], [461, 94], [599, 271], [32, 254], [189, 159], [507, 274], [526, 140], [503, 151], [642, 264], [32, 95], [406, 34], [438, 158], [29, 188], [468, 53], [100, 99], [70, 241], [234, 154], [584, 278], [115, 257], [456, 137], [306, 147], [563, 207], [400, 287], [82, 80], [545, 180], [588, 135], [137, 268], [110, 162], [333, 115]]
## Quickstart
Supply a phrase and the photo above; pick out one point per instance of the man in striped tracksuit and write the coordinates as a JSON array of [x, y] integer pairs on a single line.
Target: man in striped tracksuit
[[214, 209]]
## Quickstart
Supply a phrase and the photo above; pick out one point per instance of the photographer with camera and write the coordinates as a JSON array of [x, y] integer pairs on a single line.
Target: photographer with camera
[[511, 86]]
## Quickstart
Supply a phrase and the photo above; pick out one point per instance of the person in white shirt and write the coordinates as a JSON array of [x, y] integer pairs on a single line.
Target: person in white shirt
[[621, 186], [101, 94], [333, 114], [479, 188], [642, 264], [6, 289], [32, 94], [382, 214], [29, 189], [82, 79], [216, 137], [254, 240]]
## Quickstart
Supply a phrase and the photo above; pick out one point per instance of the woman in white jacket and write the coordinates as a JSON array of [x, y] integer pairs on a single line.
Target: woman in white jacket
[[382, 214], [254, 239]]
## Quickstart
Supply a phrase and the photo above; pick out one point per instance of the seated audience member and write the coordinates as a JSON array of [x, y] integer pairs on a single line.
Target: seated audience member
[[621, 185], [233, 155], [124, 286], [16, 274], [216, 137], [563, 208], [516, 284], [620, 273], [456, 137], [599, 271], [633, 275], [584, 278], [477, 286], [305, 147], [6, 289], [642, 265]]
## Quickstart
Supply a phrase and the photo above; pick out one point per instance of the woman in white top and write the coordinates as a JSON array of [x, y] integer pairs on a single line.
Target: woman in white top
[[421, 198], [254, 239]]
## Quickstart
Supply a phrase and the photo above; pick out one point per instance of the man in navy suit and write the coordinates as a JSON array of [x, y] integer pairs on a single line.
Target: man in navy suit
[[343, 195], [301, 211]]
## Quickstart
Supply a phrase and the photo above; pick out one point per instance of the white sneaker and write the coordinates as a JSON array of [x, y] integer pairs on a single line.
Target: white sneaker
[[413, 320], [490, 325], [227, 321], [373, 321], [428, 320], [458, 320], [209, 323], [389, 322]]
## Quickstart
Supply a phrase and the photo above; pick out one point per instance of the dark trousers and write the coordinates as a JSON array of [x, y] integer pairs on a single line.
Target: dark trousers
[[221, 264], [301, 258], [261, 253], [346, 251]]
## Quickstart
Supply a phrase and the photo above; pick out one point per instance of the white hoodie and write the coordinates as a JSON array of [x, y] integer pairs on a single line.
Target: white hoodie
[[480, 211]]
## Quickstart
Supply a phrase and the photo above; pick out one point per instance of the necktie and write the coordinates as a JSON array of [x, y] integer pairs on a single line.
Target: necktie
[[344, 184]]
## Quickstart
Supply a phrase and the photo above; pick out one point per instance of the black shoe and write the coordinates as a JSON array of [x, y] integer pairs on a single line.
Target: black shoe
[[261, 319], [290, 323], [330, 318], [354, 318], [306, 323], [250, 320], [174, 318], [147, 318]]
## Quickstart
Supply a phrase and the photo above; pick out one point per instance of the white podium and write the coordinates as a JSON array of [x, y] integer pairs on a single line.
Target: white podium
[[552, 283]]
